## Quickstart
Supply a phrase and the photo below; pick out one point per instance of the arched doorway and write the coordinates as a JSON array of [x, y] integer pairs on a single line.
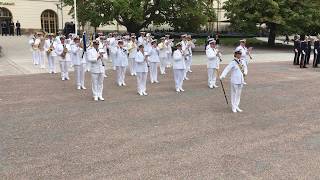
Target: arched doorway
[[49, 21], [5, 17]]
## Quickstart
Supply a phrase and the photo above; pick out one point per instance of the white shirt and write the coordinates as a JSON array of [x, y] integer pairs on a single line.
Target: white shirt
[[76, 55], [244, 52], [237, 77], [59, 50], [95, 63], [154, 55], [162, 50], [213, 59], [132, 48], [121, 57], [47, 45], [178, 60], [141, 64]]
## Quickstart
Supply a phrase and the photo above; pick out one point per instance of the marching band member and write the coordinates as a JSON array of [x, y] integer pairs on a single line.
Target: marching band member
[[51, 54], [179, 67], [304, 48], [169, 45], [245, 52], [97, 71], [36, 50], [186, 52], [121, 62], [142, 71], [103, 46], [213, 64], [163, 55], [142, 38], [79, 63], [190, 46], [132, 48], [42, 51], [238, 68], [62, 50], [112, 48], [154, 60], [148, 46]]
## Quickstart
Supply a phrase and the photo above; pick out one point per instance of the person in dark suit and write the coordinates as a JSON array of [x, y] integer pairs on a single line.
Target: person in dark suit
[[316, 53], [296, 50], [11, 26], [4, 27], [309, 49], [304, 49], [18, 28]]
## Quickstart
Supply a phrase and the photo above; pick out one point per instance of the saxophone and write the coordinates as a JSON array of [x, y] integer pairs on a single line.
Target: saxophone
[[65, 51], [50, 48]]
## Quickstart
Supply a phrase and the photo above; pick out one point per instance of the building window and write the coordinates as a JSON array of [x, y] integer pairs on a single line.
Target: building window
[[5, 14], [49, 21]]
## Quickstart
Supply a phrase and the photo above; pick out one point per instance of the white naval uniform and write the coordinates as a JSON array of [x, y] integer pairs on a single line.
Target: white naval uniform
[[179, 67], [64, 62], [112, 49], [154, 60], [142, 72], [163, 57], [79, 65], [169, 52], [103, 49], [42, 53], [50, 56], [97, 72], [212, 66], [237, 80], [121, 63], [187, 48], [36, 51], [132, 48], [244, 53]]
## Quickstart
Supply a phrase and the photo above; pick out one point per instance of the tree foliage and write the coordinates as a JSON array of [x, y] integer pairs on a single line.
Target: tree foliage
[[280, 16], [186, 15]]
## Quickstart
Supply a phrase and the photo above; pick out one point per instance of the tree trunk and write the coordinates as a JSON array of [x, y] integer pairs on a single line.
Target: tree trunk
[[272, 34]]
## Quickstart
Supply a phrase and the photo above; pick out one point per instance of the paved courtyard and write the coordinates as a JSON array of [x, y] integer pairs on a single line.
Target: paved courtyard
[[49, 130], [17, 59]]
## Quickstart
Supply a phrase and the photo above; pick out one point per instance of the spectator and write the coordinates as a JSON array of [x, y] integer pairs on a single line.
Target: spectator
[[4, 27], [18, 28], [11, 26]]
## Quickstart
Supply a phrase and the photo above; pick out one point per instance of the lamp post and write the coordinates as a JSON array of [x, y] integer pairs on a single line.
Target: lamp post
[[75, 17]]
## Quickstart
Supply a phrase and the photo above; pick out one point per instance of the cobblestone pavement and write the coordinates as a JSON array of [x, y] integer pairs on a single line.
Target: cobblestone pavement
[[49, 130]]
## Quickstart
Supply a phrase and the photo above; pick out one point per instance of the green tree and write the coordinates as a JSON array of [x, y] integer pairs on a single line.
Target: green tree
[[138, 14], [300, 16]]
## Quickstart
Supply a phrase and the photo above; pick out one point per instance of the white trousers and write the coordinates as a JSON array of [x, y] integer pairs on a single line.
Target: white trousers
[[121, 74], [178, 77], [80, 71], [153, 72], [97, 84], [36, 57], [236, 90], [169, 59], [188, 65], [132, 66], [64, 67], [51, 64], [42, 59], [212, 76], [163, 64], [142, 81]]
